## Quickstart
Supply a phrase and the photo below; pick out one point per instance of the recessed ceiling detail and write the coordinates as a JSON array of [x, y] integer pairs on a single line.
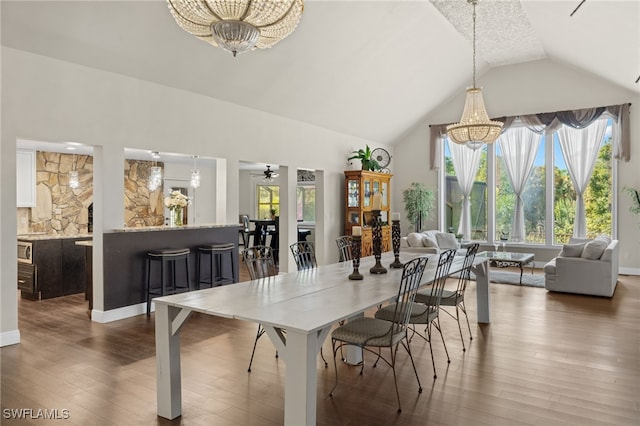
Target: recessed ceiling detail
[[505, 35]]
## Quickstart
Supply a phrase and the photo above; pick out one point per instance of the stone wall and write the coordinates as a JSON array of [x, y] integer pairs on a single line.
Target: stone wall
[[141, 206], [59, 208]]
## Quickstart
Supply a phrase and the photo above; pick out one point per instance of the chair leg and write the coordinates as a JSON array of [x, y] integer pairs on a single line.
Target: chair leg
[[255, 343], [436, 323], [433, 362], [464, 311], [460, 329], [326, 365], [394, 353], [334, 350], [415, 371]]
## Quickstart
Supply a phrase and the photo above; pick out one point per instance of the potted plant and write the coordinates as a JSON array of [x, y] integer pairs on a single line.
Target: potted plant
[[364, 155], [418, 203]]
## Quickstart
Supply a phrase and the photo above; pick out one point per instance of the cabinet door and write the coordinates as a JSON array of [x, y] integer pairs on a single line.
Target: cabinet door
[[25, 178], [73, 267]]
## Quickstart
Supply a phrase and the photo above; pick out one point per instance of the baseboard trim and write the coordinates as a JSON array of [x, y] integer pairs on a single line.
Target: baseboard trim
[[9, 338], [120, 313], [629, 271]]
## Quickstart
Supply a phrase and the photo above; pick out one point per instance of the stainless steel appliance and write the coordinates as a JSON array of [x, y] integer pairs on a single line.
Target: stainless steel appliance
[[25, 252]]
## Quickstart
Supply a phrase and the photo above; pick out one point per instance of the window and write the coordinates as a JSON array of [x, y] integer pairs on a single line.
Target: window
[[493, 198], [306, 202], [268, 201]]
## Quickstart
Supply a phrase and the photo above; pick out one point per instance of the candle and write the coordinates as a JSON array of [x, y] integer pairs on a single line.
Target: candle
[[377, 201], [356, 231], [395, 216]]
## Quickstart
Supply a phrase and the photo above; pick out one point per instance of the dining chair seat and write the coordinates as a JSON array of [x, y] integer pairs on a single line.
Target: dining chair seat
[[368, 331]]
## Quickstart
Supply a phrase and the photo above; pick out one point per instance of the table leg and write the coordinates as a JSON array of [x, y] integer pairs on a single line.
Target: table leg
[[483, 296], [521, 271], [169, 393], [300, 356]]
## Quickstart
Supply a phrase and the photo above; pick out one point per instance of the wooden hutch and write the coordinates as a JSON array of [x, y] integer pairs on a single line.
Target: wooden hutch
[[360, 186]]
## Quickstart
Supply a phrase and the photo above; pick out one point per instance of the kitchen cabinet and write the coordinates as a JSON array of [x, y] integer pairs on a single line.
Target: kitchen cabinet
[[57, 269], [25, 178], [360, 187]]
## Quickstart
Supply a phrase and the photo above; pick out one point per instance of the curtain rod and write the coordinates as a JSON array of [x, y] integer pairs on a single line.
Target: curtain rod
[[554, 112]]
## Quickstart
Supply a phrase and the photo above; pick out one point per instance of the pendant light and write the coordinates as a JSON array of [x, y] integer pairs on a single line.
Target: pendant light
[[155, 173], [475, 128], [195, 173], [74, 178]]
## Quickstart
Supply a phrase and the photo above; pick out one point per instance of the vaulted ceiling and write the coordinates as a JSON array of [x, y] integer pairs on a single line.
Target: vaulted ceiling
[[371, 69]]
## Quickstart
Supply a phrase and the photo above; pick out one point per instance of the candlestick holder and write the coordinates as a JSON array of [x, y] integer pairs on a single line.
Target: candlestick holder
[[355, 255], [376, 231], [395, 240]]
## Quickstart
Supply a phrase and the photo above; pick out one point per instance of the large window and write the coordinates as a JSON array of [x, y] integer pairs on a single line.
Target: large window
[[548, 195], [268, 201]]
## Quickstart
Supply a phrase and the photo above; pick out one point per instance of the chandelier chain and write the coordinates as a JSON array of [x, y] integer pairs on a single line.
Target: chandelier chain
[[474, 42]]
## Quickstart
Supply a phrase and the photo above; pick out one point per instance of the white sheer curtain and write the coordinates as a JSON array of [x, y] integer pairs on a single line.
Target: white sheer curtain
[[580, 151], [519, 147], [465, 162]]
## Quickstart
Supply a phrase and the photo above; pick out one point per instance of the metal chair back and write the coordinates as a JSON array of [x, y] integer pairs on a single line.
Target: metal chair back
[[344, 246], [304, 254], [260, 262]]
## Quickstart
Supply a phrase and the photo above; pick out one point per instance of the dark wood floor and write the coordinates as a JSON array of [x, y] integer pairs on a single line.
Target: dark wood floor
[[547, 359]]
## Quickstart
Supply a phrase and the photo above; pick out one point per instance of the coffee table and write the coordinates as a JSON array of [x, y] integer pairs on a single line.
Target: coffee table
[[504, 259]]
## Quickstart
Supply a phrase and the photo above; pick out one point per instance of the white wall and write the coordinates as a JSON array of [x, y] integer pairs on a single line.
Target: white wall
[[53, 100], [203, 205], [533, 87]]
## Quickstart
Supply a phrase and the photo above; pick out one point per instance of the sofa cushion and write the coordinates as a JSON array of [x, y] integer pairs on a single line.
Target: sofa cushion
[[572, 250], [414, 239], [576, 240], [446, 241], [594, 249]]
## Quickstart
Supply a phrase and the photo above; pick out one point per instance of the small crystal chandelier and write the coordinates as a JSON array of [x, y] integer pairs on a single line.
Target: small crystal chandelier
[[238, 25], [195, 173], [155, 173], [74, 178], [475, 128]]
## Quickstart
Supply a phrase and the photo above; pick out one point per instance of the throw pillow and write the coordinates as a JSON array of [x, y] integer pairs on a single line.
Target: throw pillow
[[594, 249], [604, 237], [414, 239], [572, 250], [446, 241], [429, 239]]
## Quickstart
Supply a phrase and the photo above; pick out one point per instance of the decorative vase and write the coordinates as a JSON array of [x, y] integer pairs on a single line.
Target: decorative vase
[[176, 216], [355, 254], [395, 239]]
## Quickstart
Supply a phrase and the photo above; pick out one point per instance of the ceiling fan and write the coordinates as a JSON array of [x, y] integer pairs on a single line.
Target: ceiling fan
[[268, 175]]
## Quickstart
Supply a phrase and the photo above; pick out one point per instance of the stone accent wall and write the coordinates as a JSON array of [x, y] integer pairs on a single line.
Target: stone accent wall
[[59, 208], [141, 206]]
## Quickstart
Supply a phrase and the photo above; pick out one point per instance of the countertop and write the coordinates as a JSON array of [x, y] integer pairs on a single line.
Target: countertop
[[173, 228], [37, 236]]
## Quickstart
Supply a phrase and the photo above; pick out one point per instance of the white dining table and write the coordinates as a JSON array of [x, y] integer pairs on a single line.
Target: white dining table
[[304, 303]]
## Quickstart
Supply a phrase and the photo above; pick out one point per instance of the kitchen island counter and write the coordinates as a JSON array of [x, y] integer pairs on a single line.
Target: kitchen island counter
[[125, 253]]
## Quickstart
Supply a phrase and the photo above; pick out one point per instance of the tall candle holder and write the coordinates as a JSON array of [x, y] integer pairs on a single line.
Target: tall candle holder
[[355, 255], [395, 240], [376, 230]]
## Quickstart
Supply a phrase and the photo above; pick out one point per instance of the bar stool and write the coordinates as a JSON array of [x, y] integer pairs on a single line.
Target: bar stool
[[215, 253], [168, 267]]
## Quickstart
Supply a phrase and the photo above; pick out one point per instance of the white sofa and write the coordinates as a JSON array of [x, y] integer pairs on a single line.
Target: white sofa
[[428, 242], [585, 267]]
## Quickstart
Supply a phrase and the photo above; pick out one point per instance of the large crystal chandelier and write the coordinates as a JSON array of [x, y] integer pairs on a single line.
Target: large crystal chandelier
[[475, 128], [238, 25]]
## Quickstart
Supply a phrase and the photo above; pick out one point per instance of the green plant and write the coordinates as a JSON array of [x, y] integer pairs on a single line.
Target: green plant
[[364, 155], [418, 203]]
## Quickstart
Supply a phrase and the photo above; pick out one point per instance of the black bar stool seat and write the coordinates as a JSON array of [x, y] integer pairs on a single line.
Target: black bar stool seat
[[215, 253], [169, 283]]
